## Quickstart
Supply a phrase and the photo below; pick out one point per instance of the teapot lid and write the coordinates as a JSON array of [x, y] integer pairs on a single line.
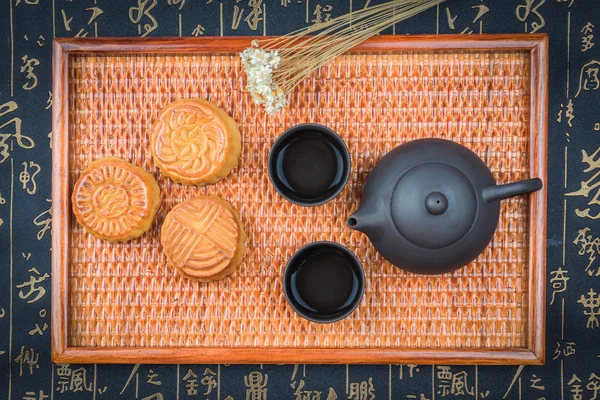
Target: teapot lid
[[433, 205]]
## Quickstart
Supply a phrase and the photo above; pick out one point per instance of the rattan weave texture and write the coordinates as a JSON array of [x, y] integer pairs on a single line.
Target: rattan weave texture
[[125, 295]]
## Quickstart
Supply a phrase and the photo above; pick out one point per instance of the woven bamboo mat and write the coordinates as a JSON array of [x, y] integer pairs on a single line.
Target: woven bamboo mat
[[125, 295]]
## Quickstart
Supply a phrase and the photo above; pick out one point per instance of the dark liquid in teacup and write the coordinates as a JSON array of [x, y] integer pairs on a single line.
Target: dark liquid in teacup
[[310, 166], [325, 282]]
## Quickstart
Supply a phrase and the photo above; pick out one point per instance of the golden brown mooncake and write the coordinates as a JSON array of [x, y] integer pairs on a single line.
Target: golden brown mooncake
[[203, 238], [115, 200], [194, 142]]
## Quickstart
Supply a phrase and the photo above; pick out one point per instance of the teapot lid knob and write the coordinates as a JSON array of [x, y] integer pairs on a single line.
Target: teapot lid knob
[[436, 203]]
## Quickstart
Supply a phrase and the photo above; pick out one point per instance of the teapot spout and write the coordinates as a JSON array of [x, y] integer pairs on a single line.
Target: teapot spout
[[360, 221], [501, 192]]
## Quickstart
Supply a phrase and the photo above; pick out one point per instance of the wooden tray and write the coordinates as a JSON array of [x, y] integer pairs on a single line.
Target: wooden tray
[[121, 303]]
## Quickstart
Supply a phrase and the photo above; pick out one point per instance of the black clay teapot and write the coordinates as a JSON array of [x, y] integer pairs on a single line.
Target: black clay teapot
[[431, 206]]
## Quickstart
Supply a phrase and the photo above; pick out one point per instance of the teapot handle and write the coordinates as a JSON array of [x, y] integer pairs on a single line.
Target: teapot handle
[[500, 192]]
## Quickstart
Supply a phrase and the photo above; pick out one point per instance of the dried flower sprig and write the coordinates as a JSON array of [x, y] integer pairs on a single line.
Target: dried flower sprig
[[274, 67]]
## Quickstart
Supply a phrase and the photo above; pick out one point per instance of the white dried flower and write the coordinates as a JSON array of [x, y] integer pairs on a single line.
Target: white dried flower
[[276, 68], [260, 65]]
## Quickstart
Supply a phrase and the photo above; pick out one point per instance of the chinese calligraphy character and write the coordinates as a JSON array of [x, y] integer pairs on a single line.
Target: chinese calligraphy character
[[588, 77], [255, 15], [79, 381], [28, 66], [25, 177], [191, 383], [152, 378], [96, 12], [558, 281], [257, 386], [590, 185], [568, 113], [39, 291], [523, 12], [453, 383], [134, 372], [29, 358], [64, 373], [37, 330], [208, 380], [412, 368], [482, 10], [322, 12], [568, 350], [238, 13], [535, 383], [588, 245], [587, 40], [25, 142], [198, 31], [444, 376], [591, 302], [450, 19], [44, 219], [576, 389], [362, 390], [459, 384], [66, 21], [136, 14]]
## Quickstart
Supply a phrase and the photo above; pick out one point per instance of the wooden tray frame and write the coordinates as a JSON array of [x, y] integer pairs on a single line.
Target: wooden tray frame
[[533, 353]]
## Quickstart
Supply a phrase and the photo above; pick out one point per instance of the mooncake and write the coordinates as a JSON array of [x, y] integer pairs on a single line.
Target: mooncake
[[203, 238], [115, 200], [194, 142]]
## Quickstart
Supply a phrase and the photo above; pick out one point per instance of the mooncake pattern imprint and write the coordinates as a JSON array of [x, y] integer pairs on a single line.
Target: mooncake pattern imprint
[[194, 142], [115, 200], [203, 238]]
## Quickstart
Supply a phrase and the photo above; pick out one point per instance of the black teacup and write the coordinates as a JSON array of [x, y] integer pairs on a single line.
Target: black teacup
[[309, 164], [324, 282]]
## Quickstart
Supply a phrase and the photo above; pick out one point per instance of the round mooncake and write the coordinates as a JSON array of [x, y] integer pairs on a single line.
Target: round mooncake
[[115, 200], [203, 238], [194, 142]]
